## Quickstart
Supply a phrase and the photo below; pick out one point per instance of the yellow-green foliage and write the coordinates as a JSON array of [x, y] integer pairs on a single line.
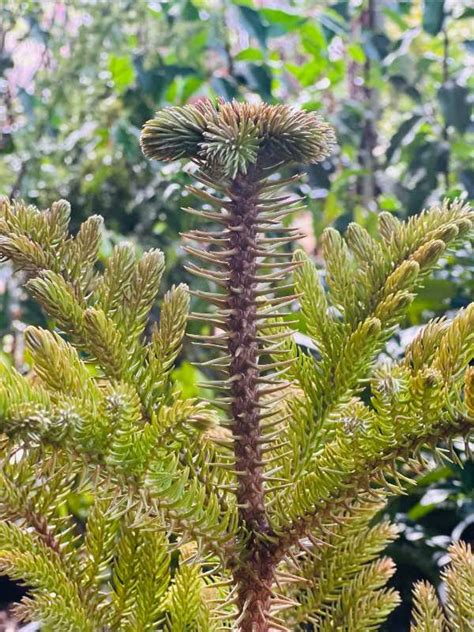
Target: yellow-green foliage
[[118, 577], [97, 417], [457, 612], [346, 580]]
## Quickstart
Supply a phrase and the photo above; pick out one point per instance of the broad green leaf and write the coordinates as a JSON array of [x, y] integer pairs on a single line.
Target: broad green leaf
[[189, 12], [400, 134], [332, 208], [394, 15], [356, 52], [259, 78], [433, 16], [389, 203], [252, 22], [313, 39], [455, 105], [281, 22], [428, 503], [249, 54], [122, 71], [307, 74], [433, 297]]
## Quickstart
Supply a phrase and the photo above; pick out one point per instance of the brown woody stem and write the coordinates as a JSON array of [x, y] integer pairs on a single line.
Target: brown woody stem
[[254, 572]]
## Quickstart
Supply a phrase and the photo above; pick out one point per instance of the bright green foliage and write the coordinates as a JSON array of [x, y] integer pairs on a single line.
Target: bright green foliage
[[459, 578], [98, 417], [349, 324], [457, 615], [104, 172]]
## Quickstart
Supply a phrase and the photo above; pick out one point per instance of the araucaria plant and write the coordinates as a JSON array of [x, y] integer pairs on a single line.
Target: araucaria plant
[[263, 509]]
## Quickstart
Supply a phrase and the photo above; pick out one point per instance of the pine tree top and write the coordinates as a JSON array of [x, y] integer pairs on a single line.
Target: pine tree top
[[230, 137]]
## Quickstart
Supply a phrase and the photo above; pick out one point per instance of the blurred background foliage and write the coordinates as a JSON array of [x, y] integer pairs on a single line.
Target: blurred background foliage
[[79, 78]]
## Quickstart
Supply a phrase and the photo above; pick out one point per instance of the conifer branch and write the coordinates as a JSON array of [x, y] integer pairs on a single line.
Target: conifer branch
[[236, 146], [372, 283], [459, 579], [324, 493], [340, 562], [255, 511], [428, 614]]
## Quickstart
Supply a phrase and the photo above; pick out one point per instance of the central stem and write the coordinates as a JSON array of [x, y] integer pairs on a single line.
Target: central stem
[[238, 147], [243, 350], [255, 573]]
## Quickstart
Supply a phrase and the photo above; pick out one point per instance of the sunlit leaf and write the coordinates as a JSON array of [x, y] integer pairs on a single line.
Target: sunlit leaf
[[281, 22], [249, 54], [356, 52], [122, 71]]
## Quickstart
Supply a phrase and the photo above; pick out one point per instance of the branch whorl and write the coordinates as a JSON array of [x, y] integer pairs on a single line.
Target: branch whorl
[[229, 137]]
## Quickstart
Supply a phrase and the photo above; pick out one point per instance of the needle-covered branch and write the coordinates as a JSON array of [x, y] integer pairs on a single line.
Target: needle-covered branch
[[257, 510]]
